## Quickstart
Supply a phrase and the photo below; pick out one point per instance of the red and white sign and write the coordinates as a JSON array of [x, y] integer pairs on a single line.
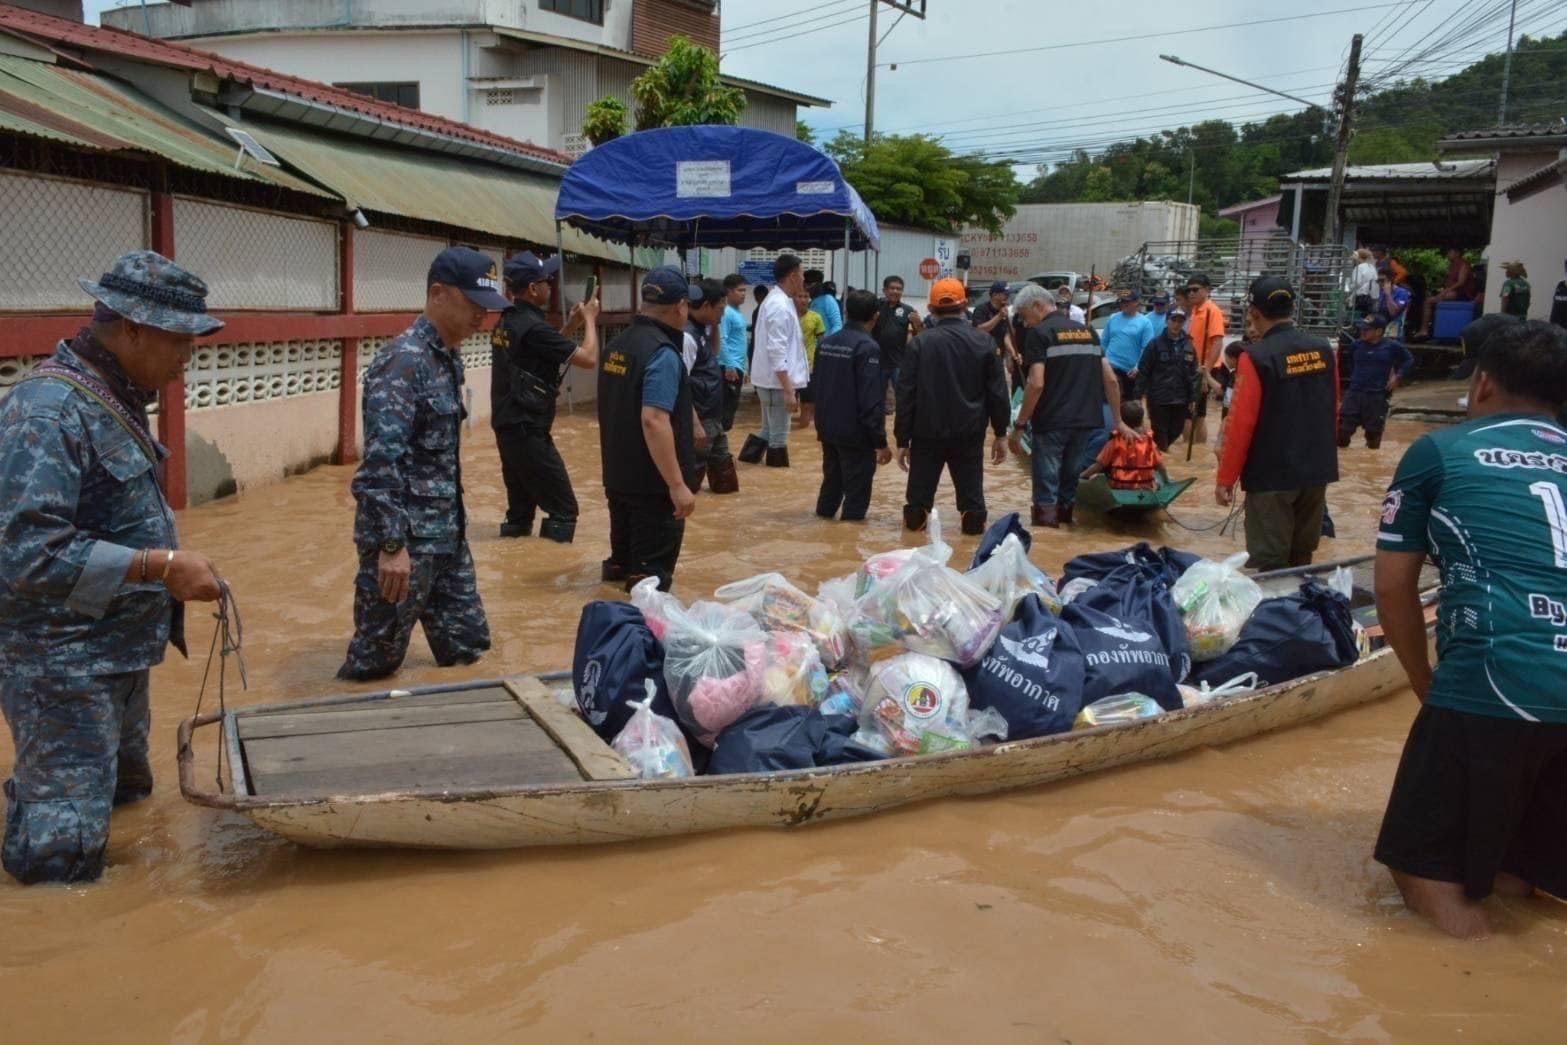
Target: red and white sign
[[930, 268]]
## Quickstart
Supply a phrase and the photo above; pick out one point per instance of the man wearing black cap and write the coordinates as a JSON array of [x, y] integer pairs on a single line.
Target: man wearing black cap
[[1169, 379], [414, 564], [528, 356], [1281, 441], [1159, 307], [713, 460], [92, 580], [647, 443], [951, 385], [1377, 365], [990, 316]]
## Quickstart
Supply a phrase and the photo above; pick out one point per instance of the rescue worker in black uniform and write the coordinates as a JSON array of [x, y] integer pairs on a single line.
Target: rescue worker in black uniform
[[951, 384], [1282, 438], [1169, 379], [851, 415], [528, 358], [713, 459], [895, 322], [646, 445]]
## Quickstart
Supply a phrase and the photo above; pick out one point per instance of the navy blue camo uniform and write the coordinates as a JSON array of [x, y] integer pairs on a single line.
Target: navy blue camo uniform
[[409, 493], [79, 495]]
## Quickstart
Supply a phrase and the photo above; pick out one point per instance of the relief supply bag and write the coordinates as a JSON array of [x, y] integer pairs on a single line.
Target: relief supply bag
[[714, 659], [1215, 599], [779, 606], [1010, 524], [1117, 711], [652, 744], [767, 739], [1170, 563], [1033, 676], [615, 654], [1009, 576], [1120, 657], [1138, 595], [915, 705], [1288, 637]]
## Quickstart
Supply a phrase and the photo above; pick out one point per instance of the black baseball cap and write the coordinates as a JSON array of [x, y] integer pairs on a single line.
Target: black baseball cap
[[999, 287], [1371, 322], [1175, 313], [472, 273], [1128, 296], [1160, 299], [1270, 291], [665, 286], [526, 268]]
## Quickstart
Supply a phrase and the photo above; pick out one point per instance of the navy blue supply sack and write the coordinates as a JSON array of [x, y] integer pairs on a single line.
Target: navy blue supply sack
[[774, 737], [1094, 566], [1121, 657], [1009, 523], [615, 653], [1032, 676], [1137, 595], [1288, 637]]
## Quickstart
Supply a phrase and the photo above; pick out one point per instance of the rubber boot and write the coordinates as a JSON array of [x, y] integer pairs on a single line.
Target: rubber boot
[[1344, 438], [973, 523], [722, 477], [1045, 515], [751, 453], [778, 457], [611, 572], [511, 529], [558, 530], [1372, 441], [1064, 514], [915, 518]]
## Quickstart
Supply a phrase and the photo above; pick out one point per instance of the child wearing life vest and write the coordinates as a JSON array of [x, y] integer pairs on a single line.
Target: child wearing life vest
[[1130, 463]]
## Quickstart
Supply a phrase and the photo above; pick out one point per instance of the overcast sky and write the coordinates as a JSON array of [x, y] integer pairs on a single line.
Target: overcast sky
[[1100, 78]]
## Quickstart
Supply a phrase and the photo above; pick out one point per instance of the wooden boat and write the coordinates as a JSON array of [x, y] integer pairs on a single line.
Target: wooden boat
[[506, 763], [1098, 495]]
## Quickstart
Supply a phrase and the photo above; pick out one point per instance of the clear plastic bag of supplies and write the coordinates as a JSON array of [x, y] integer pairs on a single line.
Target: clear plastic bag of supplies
[[653, 744], [1010, 576], [657, 607], [779, 606], [886, 565], [1117, 711], [792, 672], [915, 705], [1216, 600], [926, 607], [1203, 693], [846, 691], [714, 661]]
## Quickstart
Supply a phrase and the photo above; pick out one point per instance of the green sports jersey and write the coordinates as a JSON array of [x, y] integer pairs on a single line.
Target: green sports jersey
[[1487, 501]]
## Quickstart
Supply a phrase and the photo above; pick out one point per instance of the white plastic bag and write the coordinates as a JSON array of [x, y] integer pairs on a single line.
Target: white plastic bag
[[1117, 711], [652, 744], [926, 607], [916, 705], [1010, 577], [1215, 599], [657, 607], [883, 567], [792, 671], [779, 606], [1191, 696], [714, 659], [1342, 581]]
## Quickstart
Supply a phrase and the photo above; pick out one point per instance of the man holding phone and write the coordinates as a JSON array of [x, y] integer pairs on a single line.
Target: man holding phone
[[528, 356]]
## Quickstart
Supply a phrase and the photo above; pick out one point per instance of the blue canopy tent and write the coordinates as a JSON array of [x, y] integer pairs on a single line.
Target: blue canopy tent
[[711, 186]]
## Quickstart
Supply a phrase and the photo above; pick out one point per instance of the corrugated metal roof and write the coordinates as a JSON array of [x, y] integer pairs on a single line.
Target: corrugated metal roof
[[1516, 130], [35, 25], [96, 112], [390, 180], [1461, 170], [1546, 177]]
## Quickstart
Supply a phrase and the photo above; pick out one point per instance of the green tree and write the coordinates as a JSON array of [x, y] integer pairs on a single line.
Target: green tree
[[605, 120], [803, 132], [915, 180], [684, 88]]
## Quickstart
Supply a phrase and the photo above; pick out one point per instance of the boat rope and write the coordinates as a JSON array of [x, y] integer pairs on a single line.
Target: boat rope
[[230, 631], [1230, 520]]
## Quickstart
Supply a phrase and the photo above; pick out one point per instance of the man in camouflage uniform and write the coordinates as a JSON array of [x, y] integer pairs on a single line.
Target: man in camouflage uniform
[[91, 584], [414, 565]]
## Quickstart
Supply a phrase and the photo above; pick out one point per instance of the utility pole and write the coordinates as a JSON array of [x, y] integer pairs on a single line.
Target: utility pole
[[1507, 64], [870, 75], [1345, 97]]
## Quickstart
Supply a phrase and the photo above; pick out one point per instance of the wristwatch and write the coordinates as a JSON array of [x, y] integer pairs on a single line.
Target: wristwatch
[[392, 545]]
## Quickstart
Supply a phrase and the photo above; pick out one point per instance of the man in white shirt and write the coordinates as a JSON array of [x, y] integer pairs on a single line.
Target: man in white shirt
[[1064, 304], [779, 369]]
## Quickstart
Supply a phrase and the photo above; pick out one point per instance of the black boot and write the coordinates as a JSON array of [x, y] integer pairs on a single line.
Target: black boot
[[915, 518], [721, 476], [751, 453], [1045, 515], [559, 530], [1372, 441], [1064, 513], [511, 529], [778, 457], [973, 523], [611, 572]]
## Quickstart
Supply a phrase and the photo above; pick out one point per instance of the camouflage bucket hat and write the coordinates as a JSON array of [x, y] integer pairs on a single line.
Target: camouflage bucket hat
[[147, 288]]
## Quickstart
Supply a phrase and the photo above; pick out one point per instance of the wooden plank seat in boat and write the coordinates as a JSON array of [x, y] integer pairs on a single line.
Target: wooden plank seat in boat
[[490, 738]]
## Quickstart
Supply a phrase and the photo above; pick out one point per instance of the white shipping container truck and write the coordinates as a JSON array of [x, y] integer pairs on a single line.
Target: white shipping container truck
[[1080, 237]]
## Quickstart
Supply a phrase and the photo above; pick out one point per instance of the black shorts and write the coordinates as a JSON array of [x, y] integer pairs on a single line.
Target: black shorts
[[1475, 796]]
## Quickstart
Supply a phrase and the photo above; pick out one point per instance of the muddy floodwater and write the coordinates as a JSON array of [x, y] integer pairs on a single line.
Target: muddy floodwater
[[1225, 895]]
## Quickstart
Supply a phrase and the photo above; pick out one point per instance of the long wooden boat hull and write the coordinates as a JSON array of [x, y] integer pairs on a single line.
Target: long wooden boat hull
[[604, 811]]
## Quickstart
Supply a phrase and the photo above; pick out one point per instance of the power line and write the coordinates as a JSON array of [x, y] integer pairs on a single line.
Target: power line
[[842, 5], [797, 27], [772, 39]]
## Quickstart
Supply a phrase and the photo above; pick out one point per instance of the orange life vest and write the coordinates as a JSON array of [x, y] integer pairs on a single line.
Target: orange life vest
[[1134, 460]]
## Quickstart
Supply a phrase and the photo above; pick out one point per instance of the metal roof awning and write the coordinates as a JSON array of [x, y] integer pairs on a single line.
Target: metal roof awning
[[1446, 204], [1549, 176], [424, 186], [96, 112]]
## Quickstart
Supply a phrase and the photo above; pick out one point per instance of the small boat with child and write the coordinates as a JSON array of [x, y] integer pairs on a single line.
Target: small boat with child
[[510, 763]]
